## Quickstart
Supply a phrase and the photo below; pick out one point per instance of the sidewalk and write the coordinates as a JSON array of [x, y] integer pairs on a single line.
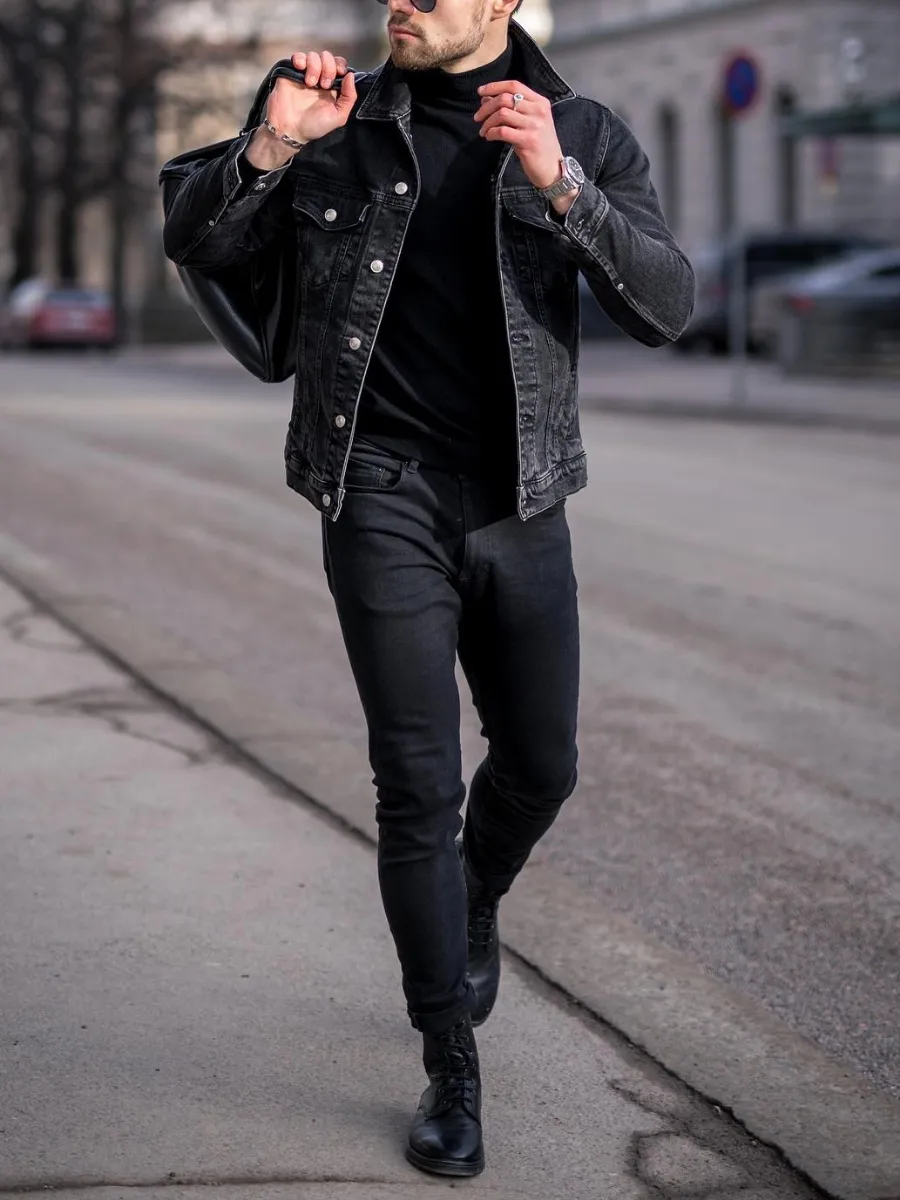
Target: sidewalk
[[198, 988], [619, 377]]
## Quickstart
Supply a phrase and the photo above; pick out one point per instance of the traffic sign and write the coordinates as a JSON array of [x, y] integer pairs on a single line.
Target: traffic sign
[[740, 83]]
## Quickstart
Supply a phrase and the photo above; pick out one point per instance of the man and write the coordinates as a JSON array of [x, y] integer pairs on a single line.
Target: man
[[442, 207]]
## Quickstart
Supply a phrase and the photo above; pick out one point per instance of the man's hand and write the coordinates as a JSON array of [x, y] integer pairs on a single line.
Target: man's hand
[[529, 128], [305, 111]]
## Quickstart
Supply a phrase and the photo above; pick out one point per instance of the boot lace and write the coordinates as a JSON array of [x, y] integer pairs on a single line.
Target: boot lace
[[459, 1067], [482, 921]]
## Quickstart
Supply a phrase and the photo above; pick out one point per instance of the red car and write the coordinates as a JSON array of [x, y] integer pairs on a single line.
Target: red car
[[36, 313]]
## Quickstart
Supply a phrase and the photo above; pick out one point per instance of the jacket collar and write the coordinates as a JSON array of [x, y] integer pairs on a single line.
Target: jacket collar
[[389, 98]]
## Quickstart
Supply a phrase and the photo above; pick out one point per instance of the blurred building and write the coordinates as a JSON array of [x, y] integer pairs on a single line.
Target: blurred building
[[661, 64], [206, 99], [353, 28], [242, 39]]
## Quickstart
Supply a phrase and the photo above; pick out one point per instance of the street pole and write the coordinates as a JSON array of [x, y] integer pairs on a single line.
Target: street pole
[[738, 317], [740, 89]]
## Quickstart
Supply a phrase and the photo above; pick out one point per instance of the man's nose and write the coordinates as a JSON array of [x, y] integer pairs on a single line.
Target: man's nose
[[404, 7]]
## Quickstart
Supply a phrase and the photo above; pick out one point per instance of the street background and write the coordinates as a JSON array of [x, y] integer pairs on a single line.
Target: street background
[[705, 948]]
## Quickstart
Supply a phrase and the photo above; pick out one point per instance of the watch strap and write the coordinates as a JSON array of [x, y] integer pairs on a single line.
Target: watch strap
[[566, 184]]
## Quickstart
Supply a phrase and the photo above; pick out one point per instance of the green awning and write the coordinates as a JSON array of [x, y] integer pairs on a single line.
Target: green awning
[[853, 120]]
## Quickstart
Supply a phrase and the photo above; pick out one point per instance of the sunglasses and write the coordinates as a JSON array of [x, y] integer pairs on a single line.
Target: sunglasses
[[423, 6]]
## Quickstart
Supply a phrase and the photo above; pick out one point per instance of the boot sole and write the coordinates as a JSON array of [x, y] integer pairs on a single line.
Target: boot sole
[[444, 1166]]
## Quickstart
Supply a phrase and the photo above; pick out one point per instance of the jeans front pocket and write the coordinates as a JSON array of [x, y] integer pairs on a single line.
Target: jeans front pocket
[[372, 469]]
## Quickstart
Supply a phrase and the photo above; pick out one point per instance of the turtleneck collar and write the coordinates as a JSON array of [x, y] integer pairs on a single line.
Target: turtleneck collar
[[458, 89]]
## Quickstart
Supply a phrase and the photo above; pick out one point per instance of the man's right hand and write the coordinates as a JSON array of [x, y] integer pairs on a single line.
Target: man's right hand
[[304, 111]]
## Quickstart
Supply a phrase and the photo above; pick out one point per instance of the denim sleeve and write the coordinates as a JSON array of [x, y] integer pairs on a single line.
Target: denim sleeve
[[214, 218], [618, 235]]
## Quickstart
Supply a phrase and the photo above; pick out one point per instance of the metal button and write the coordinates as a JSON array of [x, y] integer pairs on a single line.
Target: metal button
[[260, 187], [330, 214], [326, 501], [377, 266], [401, 188], [211, 222], [354, 343], [621, 287], [340, 421]]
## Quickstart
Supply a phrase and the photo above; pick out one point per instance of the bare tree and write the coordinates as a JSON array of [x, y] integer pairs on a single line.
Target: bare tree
[[20, 46], [79, 81]]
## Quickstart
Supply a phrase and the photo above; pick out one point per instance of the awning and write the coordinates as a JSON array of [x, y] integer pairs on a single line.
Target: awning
[[853, 120]]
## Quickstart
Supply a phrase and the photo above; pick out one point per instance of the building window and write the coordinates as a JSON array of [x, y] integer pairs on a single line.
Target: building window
[[785, 104], [726, 168], [669, 133]]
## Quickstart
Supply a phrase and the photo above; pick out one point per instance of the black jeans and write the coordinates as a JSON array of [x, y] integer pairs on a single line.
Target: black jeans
[[425, 565]]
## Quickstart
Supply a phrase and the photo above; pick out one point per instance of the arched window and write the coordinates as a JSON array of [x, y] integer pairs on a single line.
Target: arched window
[[786, 169], [726, 168], [669, 169]]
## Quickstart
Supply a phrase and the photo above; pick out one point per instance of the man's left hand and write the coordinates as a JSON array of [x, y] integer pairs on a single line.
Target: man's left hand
[[527, 126]]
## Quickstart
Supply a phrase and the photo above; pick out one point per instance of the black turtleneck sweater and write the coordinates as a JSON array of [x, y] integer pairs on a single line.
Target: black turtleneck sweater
[[439, 387]]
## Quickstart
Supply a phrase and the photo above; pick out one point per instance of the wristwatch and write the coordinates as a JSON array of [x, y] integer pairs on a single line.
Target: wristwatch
[[573, 178]]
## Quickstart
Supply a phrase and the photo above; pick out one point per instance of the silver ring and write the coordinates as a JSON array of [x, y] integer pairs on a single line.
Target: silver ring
[[517, 100]]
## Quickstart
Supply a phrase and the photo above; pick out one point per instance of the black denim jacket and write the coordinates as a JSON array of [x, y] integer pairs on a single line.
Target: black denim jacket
[[344, 203]]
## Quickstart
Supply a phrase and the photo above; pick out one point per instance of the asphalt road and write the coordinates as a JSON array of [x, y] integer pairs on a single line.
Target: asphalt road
[[740, 591]]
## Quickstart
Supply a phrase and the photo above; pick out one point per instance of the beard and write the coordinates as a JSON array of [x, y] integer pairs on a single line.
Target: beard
[[418, 54]]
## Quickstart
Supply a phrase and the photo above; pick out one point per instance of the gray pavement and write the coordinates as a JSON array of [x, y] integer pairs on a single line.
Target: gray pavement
[[199, 988], [622, 378], [725, 885]]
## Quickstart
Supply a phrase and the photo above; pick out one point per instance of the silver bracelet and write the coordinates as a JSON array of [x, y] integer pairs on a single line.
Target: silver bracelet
[[283, 137]]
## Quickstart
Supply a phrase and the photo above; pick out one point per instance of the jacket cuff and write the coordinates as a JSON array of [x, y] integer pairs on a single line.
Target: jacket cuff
[[587, 215], [242, 196]]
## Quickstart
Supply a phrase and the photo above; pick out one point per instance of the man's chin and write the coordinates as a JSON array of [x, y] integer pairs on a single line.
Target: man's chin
[[411, 55]]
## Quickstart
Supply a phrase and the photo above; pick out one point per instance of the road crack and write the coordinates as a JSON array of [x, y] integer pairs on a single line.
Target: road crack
[[184, 1179], [19, 625], [117, 708]]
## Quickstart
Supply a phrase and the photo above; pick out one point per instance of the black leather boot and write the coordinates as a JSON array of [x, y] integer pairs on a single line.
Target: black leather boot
[[445, 1138], [484, 944]]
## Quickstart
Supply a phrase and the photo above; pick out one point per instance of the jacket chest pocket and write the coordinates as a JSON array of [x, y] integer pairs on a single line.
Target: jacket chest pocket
[[331, 226], [545, 270], [536, 239]]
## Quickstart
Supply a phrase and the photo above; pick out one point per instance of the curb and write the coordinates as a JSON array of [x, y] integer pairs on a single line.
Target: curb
[[830, 1124], [751, 414]]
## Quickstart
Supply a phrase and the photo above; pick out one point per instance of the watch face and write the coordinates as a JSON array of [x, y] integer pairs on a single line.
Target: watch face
[[574, 170]]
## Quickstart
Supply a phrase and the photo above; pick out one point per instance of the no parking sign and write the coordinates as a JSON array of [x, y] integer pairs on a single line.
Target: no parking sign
[[740, 83]]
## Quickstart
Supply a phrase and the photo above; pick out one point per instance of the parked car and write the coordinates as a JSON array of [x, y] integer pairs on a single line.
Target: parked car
[[845, 316], [868, 281], [39, 314], [768, 256]]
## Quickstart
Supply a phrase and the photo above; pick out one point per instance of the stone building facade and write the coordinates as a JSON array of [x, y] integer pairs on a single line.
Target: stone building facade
[[661, 63]]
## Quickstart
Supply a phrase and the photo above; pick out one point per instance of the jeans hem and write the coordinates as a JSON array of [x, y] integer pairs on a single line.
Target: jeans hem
[[440, 1022]]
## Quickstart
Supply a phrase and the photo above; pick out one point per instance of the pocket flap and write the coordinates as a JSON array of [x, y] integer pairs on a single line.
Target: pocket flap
[[528, 205], [334, 210]]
